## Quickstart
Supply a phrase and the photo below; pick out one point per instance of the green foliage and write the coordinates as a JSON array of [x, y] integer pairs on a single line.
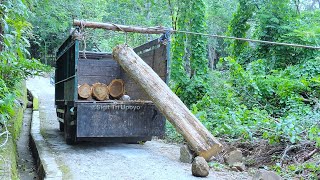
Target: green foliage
[[15, 64], [198, 44], [272, 18], [239, 26], [172, 135], [248, 103], [277, 21], [267, 91], [6, 107], [306, 170], [219, 15], [262, 91], [216, 166], [52, 21], [303, 30], [221, 110], [189, 65]]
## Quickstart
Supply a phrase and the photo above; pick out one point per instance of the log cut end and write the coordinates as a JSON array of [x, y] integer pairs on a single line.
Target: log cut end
[[100, 91], [213, 151], [84, 91], [116, 88]]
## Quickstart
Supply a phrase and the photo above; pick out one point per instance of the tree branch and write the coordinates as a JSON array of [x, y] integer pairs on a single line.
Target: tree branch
[[306, 158]]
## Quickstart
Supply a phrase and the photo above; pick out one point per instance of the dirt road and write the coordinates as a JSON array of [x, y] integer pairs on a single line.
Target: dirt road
[[88, 160]]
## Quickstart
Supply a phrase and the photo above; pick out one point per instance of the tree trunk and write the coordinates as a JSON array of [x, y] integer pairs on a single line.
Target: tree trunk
[[194, 132], [84, 91], [211, 56], [1, 29], [100, 91], [116, 88]]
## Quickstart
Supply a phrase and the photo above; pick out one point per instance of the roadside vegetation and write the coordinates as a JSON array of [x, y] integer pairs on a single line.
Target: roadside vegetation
[[253, 96], [16, 65], [16, 62], [257, 96]]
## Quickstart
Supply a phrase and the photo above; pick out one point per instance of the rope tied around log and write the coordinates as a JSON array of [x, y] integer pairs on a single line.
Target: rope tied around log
[[82, 27], [80, 35], [165, 38], [125, 32]]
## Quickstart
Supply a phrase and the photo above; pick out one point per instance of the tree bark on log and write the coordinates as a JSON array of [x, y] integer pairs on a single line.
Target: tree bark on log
[[118, 27], [194, 132], [116, 88], [84, 91], [100, 91]]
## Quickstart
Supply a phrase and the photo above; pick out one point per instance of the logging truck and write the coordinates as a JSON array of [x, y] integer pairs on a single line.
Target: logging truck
[[96, 99]]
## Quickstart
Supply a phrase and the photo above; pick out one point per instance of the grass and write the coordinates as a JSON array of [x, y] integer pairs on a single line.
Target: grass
[[172, 136], [35, 103], [64, 169]]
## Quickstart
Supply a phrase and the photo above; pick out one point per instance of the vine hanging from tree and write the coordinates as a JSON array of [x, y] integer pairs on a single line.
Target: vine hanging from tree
[[190, 64]]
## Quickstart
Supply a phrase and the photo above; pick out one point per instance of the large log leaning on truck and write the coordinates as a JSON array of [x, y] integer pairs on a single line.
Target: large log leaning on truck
[[200, 139], [84, 91], [116, 88], [100, 91]]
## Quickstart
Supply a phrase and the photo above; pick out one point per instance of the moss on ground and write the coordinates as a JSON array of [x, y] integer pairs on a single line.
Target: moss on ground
[[17, 119], [35, 103], [16, 123], [8, 153], [65, 171], [8, 160]]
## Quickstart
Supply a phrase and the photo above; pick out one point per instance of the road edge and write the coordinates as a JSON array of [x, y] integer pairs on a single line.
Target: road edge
[[47, 167]]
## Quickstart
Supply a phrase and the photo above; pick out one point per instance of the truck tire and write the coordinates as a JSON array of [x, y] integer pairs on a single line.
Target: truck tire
[[69, 130], [61, 126]]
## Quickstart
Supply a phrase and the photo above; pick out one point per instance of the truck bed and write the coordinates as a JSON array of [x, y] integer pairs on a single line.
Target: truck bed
[[88, 119]]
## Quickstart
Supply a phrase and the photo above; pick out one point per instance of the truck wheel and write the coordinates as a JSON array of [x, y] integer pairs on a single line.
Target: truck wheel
[[69, 131], [61, 126], [137, 142], [70, 136]]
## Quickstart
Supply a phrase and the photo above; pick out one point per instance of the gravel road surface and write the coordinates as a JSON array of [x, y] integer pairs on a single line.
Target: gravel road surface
[[93, 160]]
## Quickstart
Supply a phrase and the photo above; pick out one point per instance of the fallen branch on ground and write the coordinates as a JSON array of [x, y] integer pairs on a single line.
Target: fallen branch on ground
[[306, 158]]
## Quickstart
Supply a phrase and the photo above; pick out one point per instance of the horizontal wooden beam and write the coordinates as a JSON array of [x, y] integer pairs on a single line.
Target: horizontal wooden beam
[[118, 27]]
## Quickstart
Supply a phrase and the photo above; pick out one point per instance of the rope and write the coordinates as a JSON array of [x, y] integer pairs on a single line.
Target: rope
[[222, 36], [165, 37], [247, 39], [236, 38], [126, 33], [82, 32]]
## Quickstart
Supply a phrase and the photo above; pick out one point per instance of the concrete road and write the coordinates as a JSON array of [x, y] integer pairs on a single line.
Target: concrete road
[[89, 160]]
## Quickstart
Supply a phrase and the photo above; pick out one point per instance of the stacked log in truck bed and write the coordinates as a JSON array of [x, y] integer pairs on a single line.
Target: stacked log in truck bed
[[100, 91]]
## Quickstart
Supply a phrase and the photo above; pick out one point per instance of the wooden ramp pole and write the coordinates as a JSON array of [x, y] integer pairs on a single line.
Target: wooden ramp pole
[[118, 27], [194, 132]]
